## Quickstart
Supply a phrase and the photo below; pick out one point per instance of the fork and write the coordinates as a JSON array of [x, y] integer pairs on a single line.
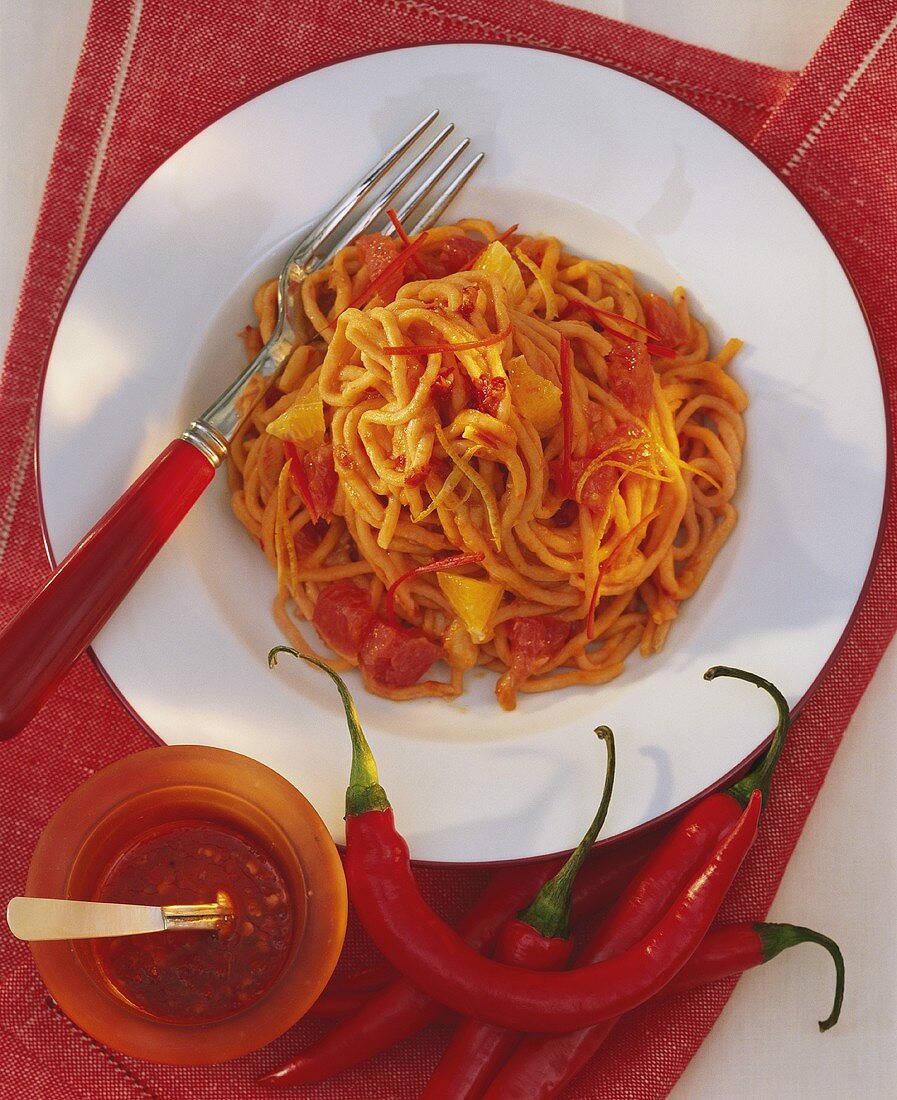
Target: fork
[[61, 620]]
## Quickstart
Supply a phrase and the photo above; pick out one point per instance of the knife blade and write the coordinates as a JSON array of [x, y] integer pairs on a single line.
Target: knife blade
[[64, 919]]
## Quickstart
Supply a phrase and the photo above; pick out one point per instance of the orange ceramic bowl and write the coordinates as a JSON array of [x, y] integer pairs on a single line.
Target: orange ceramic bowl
[[147, 791]]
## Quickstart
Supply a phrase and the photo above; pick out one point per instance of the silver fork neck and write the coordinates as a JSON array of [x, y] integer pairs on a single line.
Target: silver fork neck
[[207, 440]]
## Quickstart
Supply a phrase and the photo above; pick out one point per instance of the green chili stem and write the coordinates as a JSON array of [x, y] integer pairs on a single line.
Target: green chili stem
[[775, 938], [549, 911], [364, 791], [759, 779]]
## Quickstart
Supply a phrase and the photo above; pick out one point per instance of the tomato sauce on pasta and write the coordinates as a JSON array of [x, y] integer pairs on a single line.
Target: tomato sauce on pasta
[[559, 436]]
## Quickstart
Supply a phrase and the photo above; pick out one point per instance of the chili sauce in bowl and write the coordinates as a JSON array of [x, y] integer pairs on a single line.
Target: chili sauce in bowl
[[176, 825], [194, 977]]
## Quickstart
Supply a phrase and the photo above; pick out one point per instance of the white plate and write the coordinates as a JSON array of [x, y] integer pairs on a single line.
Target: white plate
[[623, 171]]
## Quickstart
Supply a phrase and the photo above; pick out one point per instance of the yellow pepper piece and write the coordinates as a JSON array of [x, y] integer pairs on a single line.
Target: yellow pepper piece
[[537, 399], [474, 600], [498, 261], [303, 420]]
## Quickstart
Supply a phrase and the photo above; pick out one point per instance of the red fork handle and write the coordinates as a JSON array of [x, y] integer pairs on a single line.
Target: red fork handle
[[60, 621]]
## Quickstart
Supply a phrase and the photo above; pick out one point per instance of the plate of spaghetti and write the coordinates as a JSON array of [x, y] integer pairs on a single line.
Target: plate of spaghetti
[[616, 420], [495, 453]]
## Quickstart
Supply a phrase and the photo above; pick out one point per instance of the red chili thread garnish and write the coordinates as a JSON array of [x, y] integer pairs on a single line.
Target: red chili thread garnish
[[508, 233], [385, 275], [434, 349], [300, 479], [653, 349], [436, 566], [634, 534], [567, 420], [406, 241], [498, 240], [601, 316], [397, 264]]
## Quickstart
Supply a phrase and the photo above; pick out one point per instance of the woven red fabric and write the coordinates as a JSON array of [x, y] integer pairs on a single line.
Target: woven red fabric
[[126, 114]]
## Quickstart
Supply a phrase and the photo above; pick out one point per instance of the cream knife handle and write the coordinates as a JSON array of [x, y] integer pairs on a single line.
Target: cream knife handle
[[58, 919]]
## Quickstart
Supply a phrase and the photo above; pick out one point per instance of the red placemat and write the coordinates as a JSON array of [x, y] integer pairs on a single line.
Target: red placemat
[[830, 132]]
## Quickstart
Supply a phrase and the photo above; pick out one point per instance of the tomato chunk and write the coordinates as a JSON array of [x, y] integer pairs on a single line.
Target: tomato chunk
[[378, 252], [342, 614], [533, 640], [458, 253], [630, 376], [663, 321], [322, 478], [310, 536], [490, 392], [392, 657], [600, 483]]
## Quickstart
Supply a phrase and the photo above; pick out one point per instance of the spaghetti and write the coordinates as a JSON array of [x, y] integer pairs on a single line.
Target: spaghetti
[[487, 452]]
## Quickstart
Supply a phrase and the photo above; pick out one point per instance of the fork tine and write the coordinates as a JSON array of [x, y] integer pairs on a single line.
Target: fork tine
[[427, 185], [337, 214], [381, 203], [435, 210]]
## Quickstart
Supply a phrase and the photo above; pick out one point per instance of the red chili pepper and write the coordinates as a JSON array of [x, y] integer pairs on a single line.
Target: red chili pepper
[[412, 937], [437, 566], [538, 939], [401, 1009], [434, 349], [566, 486], [367, 980], [542, 1066], [404, 927], [605, 874], [684, 850], [336, 1006], [300, 479]]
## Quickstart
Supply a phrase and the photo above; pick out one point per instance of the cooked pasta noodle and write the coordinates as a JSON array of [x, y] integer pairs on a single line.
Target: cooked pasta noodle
[[561, 438]]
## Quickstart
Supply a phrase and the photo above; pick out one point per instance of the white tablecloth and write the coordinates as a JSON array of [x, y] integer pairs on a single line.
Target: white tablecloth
[[842, 879]]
